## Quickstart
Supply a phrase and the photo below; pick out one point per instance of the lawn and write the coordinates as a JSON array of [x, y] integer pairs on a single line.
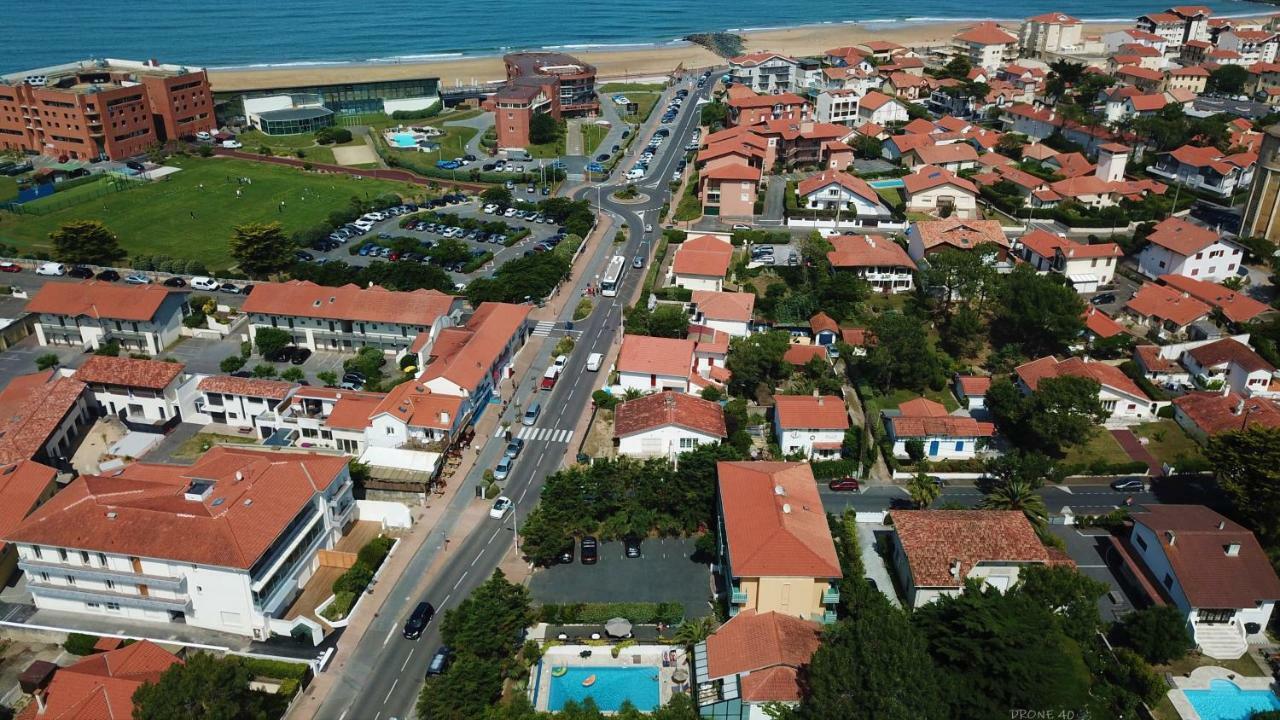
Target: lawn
[[592, 136], [1167, 442], [628, 88], [289, 145], [1102, 445], [175, 217], [644, 105], [8, 188], [200, 443]]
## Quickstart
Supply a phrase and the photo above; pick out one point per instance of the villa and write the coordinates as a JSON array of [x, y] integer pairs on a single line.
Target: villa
[[1120, 396], [752, 660], [814, 426], [941, 436], [666, 424], [1178, 247]]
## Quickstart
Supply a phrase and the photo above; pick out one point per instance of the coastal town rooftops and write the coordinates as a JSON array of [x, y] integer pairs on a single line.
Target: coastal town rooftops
[[974, 385], [727, 306], [987, 33], [1218, 563], [875, 100], [1235, 306], [850, 251], [1109, 376], [31, 409], [704, 255], [753, 59], [935, 541], [806, 412], [100, 300], [101, 686], [961, 234], [944, 154], [1162, 18], [1214, 412], [669, 408], [526, 64], [128, 372], [799, 355], [927, 177], [774, 522], [249, 387], [94, 74], [301, 298], [1163, 303], [226, 510], [767, 650], [463, 355], [855, 185], [1054, 18], [1047, 245], [413, 404], [1230, 351], [353, 410], [22, 484], [655, 356]]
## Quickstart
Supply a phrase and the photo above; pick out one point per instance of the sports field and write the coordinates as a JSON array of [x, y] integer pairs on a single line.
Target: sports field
[[190, 214]]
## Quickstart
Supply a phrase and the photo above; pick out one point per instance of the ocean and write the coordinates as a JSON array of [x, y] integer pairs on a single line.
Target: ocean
[[236, 33]]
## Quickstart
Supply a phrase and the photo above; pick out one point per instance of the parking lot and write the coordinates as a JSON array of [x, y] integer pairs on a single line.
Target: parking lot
[[664, 573]]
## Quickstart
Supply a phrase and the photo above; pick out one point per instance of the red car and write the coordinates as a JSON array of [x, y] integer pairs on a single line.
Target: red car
[[844, 484], [10, 267]]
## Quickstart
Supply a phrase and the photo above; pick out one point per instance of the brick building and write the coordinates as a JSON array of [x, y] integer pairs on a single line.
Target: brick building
[[553, 83], [97, 109]]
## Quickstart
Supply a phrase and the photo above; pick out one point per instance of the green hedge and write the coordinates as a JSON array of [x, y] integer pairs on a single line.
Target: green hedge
[[476, 263], [828, 469], [278, 669], [671, 292], [80, 644], [640, 613], [1102, 467]]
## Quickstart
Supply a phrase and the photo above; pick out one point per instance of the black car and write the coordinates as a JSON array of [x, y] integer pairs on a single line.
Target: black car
[[354, 377], [566, 556], [487, 167], [602, 157], [279, 354], [1103, 299], [440, 661], [418, 620], [108, 275], [175, 282], [304, 256], [631, 545], [590, 550], [80, 271], [135, 165], [1129, 485], [299, 355], [242, 374]]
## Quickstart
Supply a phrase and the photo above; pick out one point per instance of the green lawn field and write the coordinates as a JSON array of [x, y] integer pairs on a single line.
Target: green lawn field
[[176, 216]]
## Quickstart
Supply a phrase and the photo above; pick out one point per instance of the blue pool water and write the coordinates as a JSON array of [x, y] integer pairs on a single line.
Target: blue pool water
[[613, 685], [1224, 700], [882, 184], [404, 140]]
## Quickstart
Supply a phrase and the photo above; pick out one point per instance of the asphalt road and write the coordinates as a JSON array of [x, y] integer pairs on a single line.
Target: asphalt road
[[1091, 497], [384, 673]]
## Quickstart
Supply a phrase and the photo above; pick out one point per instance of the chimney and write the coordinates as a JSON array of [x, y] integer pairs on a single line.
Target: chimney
[[1170, 537], [239, 476], [819, 397], [955, 568], [1232, 549], [1238, 408], [786, 508]]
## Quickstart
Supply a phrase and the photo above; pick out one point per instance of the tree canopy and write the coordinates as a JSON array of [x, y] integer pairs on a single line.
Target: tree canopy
[[756, 361], [1060, 412], [903, 356], [1247, 463], [86, 242], [261, 249], [1037, 313], [204, 686]]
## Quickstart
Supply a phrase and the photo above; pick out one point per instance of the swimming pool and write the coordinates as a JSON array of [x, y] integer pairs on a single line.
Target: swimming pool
[[613, 685], [1224, 700], [885, 184], [404, 140]]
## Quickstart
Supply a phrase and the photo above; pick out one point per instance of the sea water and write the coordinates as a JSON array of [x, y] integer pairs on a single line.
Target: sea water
[[239, 33]]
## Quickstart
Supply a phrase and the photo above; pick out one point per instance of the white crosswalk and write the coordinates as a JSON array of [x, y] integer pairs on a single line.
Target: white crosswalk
[[533, 434], [544, 328]]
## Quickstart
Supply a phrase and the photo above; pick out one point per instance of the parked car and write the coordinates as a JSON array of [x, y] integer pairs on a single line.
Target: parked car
[[514, 447], [108, 275], [440, 661], [502, 470], [590, 550], [501, 507], [229, 288], [51, 268], [175, 281], [204, 283], [418, 620], [844, 484], [1104, 299], [299, 355], [138, 279], [1128, 485], [566, 555], [631, 546], [80, 271], [10, 267]]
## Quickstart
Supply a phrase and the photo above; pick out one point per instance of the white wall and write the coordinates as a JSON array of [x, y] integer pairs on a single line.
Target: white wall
[[663, 441]]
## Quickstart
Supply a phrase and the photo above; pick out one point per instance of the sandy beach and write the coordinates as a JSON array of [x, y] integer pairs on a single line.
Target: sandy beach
[[622, 64]]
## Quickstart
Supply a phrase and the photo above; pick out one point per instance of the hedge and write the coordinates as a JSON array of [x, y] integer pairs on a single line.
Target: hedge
[[278, 669], [80, 643], [1130, 368], [375, 551], [672, 292], [1102, 467], [828, 469], [640, 613], [477, 262]]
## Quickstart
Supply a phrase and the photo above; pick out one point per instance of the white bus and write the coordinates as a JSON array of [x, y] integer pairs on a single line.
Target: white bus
[[613, 276]]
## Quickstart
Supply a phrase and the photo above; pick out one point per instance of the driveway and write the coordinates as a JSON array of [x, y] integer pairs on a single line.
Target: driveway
[[1089, 548], [480, 123], [665, 573], [20, 359]]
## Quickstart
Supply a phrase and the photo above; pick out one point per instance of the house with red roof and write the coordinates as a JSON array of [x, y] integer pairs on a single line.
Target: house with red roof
[[140, 318], [729, 190], [470, 361], [876, 107], [1085, 266], [1228, 364], [237, 402], [701, 263], [776, 551], [813, 426], [1205, 414], [942, 436], [666, 424], [43, 417], [940, 193], [1236, 307], [879, 261], [144, 394], [24, 486], [1179, 247], [413, 416], [728, 312], [986, 45], [651, 364], [971, 390], [765, 72], [1206, 169], [1210, 568], [1121, 397], [1169, 312], [349, 317], [935, 552], [750, 109], [325, 417], [225, 544], [101, 685], [751, 661], [835, 191], [930, 236]]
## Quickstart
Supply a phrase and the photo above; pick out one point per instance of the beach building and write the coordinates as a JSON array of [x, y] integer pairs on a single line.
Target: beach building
[[239, 95], [90, 314], [765, 72], [145, 395], [1049, 33], [24, 486], [287, 114], [986, 45], [1254, 46], [104, 109], [541, 82]]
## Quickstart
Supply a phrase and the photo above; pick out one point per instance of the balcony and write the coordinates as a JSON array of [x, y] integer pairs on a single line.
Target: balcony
[[828, 617], [738, 597], [146, 602], [160, 582], [830, 596]]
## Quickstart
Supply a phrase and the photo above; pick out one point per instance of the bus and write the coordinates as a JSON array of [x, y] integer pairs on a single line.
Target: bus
[[613, 276]]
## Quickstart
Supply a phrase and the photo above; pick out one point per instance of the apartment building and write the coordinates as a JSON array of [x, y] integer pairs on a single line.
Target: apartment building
[[1179, 247], [323, 417], [43, 417], [1049, 33], [1253, 46], [765, 72], [986, 45], [348, 318], [237, 402], [469, 361], [225, 544], [102, 109], [877, 260], [143, 394], [140, 318], [541, 82]]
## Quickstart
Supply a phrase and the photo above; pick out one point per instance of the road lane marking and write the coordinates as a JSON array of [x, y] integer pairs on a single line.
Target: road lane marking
[[391, 631], [522, 492], [491, 537], [395, 682], [477, 558], [406, 661], [460, 579], [446, 599], [343, 716]]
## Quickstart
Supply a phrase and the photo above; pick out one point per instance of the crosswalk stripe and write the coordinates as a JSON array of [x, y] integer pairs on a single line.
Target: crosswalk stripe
[[564, 436], [497, 431], [524, 433]]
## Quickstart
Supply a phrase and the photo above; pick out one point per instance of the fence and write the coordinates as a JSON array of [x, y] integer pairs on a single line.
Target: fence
[[108, 185]]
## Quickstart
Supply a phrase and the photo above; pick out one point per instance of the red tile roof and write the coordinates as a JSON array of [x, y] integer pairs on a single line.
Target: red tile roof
[[1109, 376], [758, 101], [1054, 18], [753, 59], [1214, 412], [987, 33], [656, 356], [1162, 303], [852, 251], [855, 185], [822, 321], [769, 648], [416, 406], [806, 412], [98, 300], [801, 354], [22, 485], [141, 510], [128, 372], [1072, 164], [1236, 306], [251, 387], [934, 540], [353, 410], [669, 408], [1181, 236], [101, 687], [1230, 351], [961, 234], [301, 298], [704, 255], [944, 154], [1195, 540], [774, 522], [874, 100], [1101, 324], [974, 385], [927, 177], [464, 355], [731, 172], [925, 418], [728, 306], [32, 408]]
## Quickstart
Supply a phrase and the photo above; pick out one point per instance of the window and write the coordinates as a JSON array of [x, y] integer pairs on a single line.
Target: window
[[84, 557], [111, 584], [71, 581], [36, 550], [44, 577], [92, 605], [62, 554], [1168, 581], [688, 442], [1141, 543], [114, 607]]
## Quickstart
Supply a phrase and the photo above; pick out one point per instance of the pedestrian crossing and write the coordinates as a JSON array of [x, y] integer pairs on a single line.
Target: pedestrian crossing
[[533, 434], [544, 328]]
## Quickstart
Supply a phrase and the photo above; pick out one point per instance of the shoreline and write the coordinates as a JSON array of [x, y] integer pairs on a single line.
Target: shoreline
[[616, 62]]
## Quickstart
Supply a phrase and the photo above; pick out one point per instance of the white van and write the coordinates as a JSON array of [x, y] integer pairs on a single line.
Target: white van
[[232, 144], [51, 268], [634, 174], [594, 360], [204, 283]]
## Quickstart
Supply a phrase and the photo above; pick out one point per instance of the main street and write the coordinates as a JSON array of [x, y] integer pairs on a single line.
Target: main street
[[384, 672]]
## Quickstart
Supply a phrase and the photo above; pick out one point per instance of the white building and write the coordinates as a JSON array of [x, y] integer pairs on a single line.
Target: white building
[[412, 416], [652, 364], [1230, 365], [90, 314], [237, 402], [1086, 267], [941, 193], [1207, 169], [349, 317], [727, 312], [876, 107], [1213, 570], [839, 107], [986, 45], [879, 261], [324, 417], [1120, 396], [1050, 33], [814, 426], [1177, 247], [225, 544], [470, 361], [941, 436], [666, 424], [701, 263], [1254, 46], [833, 190], [765, 72], [145, 394]]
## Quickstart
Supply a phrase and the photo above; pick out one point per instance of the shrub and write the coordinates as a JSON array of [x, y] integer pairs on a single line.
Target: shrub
[[604, 400], [342, 603], [1159, 634], [277, 669], [46, 361], [354, 580], [263, 370], [827, 469], [375, 551], [80, 644], [231, 363], [594, 613]]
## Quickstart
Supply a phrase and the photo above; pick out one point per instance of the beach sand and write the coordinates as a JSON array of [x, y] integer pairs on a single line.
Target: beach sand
[[626, 64]]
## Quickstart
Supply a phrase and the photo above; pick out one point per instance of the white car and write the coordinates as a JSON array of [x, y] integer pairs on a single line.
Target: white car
[[511, 212], [501, 507], [204, 135], [204, 283], [51, 268], [594, 361], [232, 144], [561, 360]]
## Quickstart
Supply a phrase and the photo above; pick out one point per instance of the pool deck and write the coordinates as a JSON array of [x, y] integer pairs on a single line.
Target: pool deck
[[602, 656], [1201, 677]]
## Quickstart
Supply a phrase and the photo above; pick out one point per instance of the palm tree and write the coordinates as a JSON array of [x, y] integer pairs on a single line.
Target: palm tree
[[692, 632], [1018, 495], [924, 490]]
